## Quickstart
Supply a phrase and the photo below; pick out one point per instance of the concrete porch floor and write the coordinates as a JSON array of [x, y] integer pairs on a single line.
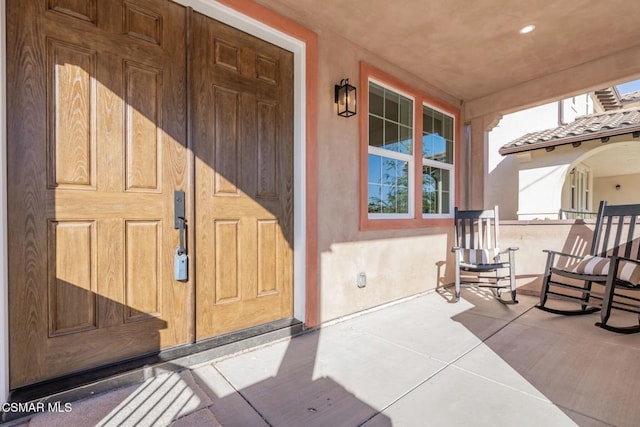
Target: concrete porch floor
[[422, 361]]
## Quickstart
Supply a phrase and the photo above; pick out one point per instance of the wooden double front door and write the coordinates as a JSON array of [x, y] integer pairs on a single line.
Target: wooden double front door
[[112, 106]]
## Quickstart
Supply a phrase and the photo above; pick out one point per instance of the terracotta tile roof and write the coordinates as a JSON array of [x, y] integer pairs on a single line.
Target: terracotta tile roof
[[585, 128]]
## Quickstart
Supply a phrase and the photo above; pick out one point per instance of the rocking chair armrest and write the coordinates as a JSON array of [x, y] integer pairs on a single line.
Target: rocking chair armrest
[[456, 248], [622, 258], [510, 249], [553, 253]]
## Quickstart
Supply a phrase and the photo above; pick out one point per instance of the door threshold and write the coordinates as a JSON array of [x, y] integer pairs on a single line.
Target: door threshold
[[85, 384]]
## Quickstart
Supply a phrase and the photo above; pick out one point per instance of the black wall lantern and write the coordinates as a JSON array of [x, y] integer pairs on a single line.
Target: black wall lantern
[[345, 98]]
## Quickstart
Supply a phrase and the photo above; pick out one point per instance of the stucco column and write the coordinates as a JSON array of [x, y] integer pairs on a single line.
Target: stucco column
[[479, 138], [474, 159]]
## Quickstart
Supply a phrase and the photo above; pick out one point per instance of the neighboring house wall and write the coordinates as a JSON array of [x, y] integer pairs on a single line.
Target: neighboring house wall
[[501, 179], [545, 179], [543, 185], [605, 189], [576, 106], [503, 185]]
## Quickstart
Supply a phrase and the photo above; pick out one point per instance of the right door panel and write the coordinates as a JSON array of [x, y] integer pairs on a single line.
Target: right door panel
[[242, 136]]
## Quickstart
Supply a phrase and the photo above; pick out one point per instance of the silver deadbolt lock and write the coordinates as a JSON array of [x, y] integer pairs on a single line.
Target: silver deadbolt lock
[[180, 265]]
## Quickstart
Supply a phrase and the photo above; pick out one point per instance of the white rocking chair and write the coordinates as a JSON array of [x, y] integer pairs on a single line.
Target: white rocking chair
[[477, 251]]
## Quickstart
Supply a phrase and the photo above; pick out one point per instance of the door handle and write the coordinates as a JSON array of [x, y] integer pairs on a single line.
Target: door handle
[[178, 209], [180, 260]]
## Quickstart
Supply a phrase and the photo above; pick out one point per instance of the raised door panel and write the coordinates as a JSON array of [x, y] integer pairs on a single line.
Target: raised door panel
[[227, 261], [143, 272], [84, 10], [226, 144], [143, 23], [143, 124], [243, 143], [72, 277], [92, 165], [268, 153], [71, 115], [267, 240]]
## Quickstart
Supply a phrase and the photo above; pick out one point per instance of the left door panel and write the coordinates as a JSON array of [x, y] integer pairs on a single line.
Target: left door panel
[[96, 148]]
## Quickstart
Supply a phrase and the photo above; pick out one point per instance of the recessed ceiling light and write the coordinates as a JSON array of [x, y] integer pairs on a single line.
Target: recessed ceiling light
[[527, 29]]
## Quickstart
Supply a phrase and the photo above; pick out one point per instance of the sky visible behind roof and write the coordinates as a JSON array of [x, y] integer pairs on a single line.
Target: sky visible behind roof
[[629, 87]]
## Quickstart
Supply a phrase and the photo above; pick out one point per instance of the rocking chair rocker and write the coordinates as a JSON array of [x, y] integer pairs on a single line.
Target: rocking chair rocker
[[613, 263]]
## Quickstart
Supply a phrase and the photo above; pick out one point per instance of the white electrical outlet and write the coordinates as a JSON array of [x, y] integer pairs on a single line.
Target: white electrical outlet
[[361, 280]]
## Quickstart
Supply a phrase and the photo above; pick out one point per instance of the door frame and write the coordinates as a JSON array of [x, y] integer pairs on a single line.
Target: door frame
[[4, 275], [267, 25]]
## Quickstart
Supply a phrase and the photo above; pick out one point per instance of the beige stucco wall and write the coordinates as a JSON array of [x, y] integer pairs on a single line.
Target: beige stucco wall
[[605, 189], [543, 186], [533, 237], [501, 178], [398, 263]]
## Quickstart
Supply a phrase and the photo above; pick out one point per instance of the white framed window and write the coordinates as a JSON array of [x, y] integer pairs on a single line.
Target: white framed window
[[390, 162], [437, 163], [407, 154]]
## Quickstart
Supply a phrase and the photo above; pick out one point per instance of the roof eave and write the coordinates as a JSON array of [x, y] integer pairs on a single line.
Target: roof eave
[[569, 140]]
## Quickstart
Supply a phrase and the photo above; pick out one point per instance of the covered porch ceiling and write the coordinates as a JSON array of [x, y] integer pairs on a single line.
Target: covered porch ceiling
[[618, 159], [474, 52]]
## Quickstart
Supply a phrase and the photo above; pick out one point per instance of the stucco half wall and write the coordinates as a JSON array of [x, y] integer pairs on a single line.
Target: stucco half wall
[[533, 237], [396, 266], [409, 263]]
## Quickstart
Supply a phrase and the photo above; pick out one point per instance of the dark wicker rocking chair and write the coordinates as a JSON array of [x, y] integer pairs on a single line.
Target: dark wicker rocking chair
[[612, 264]]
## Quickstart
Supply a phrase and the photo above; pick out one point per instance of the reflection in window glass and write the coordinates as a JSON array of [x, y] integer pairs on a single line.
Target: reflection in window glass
[[437, 135], [390, 151], [437, 162], [397, 121], [390, 120], [391, 106], [406, 112], [435, 190], [388, 185], [391, 137], [376, 131], [376, 100], [448, 128], [434, 147]]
